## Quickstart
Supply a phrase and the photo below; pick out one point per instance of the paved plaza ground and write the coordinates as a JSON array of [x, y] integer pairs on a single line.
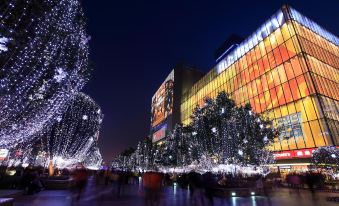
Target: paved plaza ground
[[101, 195]]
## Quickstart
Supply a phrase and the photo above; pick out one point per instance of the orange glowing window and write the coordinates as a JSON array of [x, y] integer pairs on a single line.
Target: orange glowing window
[[257, 52], [317, 133], [288, 70], [294, 89], [267, 44], [285, 32], [261, 66], [296, 67], [302, 86], [264, 83], [266, 63], [257, 104], [249, 90], [259, 87], [251, 73], [277, 56], [252, 103], [287, 92], [235, 84], [290, 48], [283, 52], [271, 60], [262, 102], [256, 70], [268, 100], [254, 88], [242, 77], [262, 48], [282, 74], [273, 41], [275, 76], [280, 95], [291, 29], [248, 58], [247, 76], [308, 135], [254, 58], [242, 62], [245, 93], [274, 97], [269, 79], [278, 36]]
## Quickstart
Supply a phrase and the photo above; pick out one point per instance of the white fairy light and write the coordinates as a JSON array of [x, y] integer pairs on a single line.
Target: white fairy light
[[60, 75], [214, 130], [3, 44]]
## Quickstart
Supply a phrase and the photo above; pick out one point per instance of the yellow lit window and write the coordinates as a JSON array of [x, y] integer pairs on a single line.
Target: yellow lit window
[[308, 135], [285, 32]]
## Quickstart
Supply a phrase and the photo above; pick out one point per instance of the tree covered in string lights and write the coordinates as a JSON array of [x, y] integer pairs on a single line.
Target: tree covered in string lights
[[43, 65], [144, 152], [93, 158], [326, 157], [231, 135], [220, 133], [73, 135]]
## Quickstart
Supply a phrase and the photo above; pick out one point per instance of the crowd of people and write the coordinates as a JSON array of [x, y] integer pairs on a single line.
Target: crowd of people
[[309, 179], [202, 187], [29, 179], [151, 184]]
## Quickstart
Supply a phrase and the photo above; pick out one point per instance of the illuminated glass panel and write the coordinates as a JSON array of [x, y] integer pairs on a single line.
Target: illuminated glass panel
[[277, 79], [313, 26]]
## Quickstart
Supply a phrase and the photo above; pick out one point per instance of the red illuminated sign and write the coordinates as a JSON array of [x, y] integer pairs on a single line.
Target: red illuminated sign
[[290, 154]]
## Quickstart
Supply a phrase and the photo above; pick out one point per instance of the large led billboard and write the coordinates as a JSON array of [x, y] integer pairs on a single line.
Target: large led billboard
[[162, 101]]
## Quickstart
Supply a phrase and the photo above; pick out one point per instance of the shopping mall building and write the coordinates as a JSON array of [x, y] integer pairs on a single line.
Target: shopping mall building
[[288, 70]]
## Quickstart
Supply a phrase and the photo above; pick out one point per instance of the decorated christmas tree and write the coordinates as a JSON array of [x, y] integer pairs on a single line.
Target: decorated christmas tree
[[43, 65]]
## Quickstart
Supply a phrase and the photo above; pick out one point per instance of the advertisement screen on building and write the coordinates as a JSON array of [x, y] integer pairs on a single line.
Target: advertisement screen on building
[[159, 134], [162, 101]]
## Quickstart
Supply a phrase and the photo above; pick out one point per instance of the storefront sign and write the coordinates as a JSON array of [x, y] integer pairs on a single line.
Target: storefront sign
[[3, 154], [290, 154]]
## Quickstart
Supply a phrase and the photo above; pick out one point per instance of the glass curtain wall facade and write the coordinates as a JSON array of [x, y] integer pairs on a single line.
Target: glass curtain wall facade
[[288, 70]]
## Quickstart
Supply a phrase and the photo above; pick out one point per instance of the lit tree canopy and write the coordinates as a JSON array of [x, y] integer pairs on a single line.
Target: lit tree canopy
[[93, 158], [76, 132], [326, 156], [43, 65], [230, 134], [219, 133]]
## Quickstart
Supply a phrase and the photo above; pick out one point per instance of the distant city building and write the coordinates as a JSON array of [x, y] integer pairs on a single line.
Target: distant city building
[[287, 70], [165, 108]]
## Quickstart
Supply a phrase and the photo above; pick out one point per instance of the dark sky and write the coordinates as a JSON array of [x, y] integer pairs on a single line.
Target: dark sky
[[136, 43]]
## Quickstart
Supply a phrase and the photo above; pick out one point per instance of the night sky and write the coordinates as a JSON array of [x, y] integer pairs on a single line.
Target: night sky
[[135, 44]]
